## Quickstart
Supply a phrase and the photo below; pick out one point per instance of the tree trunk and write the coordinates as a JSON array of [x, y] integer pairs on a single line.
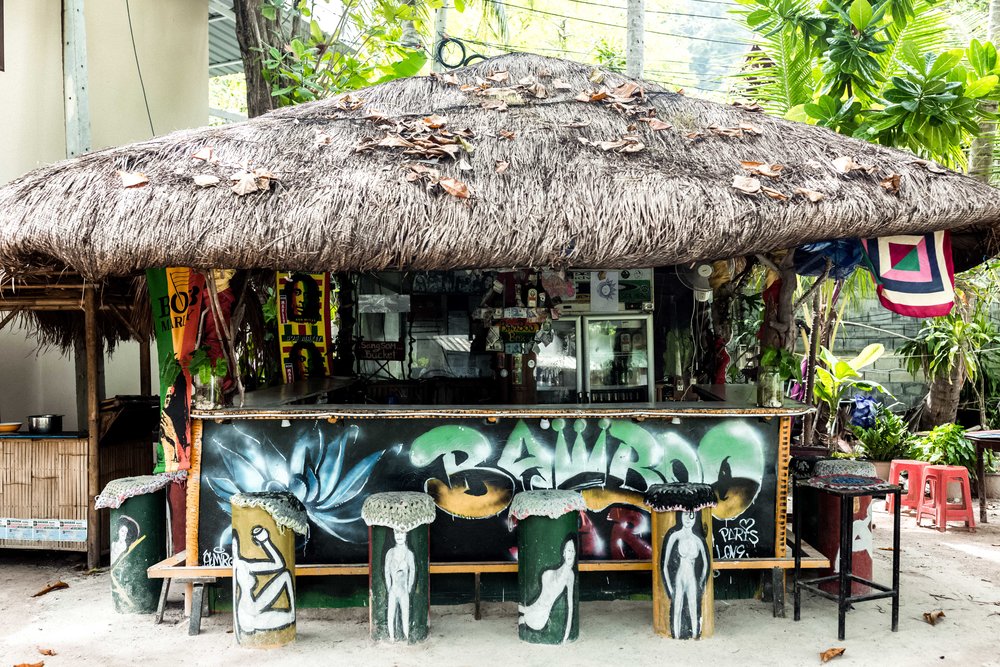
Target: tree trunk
[[941, 405], [255, 34], [981, 151], [779, 317]]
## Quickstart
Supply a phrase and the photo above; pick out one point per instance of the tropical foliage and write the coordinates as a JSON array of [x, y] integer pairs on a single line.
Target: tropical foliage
[[886, 439], [887, 71], [947, 445], [837, 380]]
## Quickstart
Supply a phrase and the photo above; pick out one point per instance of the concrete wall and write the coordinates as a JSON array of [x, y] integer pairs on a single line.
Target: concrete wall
[[171, 39]]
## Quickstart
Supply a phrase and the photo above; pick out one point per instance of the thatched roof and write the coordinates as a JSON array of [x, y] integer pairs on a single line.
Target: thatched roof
[[544, 190]]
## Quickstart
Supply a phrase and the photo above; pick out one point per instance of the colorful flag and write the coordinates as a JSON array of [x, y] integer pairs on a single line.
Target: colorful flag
[[914, 273]]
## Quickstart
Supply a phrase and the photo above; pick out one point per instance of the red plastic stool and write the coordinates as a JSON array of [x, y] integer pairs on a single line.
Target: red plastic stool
[[937, 504], [914, 483]]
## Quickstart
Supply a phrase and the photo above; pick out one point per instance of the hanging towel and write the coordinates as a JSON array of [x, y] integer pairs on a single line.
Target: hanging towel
[[914, 273]]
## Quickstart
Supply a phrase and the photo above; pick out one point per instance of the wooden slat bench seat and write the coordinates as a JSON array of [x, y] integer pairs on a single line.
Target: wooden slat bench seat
[[173, 568]]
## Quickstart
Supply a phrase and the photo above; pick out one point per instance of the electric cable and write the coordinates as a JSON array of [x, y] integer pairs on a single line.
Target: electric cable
[[138, 69]]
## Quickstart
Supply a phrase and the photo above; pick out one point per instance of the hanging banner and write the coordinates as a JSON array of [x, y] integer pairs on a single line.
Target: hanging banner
[[304, 331], [178, 298], [914, 273]]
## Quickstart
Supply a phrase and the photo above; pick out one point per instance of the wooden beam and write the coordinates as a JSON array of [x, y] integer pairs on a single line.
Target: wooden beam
[[14, 313], [75, 96], [145, 369], [93, 434]]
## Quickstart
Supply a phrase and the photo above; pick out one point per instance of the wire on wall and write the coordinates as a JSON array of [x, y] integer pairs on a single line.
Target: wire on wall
[[138, 69]]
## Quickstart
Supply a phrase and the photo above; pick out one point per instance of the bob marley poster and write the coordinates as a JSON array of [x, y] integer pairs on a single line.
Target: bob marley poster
[[304, 329]]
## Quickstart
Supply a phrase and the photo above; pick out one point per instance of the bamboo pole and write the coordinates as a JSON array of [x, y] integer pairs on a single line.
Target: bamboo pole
[[93, 436]]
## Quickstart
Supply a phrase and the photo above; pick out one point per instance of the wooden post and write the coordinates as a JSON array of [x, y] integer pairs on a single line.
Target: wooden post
[[145, 370], [635, 38], [75, 78], [93, 435]]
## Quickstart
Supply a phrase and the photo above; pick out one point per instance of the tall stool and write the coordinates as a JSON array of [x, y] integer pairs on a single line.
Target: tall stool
[[138, 539], [398, 564], [937, 505], [846, 488], [683, 592], [548, 547], [264, 529], [914, 470]]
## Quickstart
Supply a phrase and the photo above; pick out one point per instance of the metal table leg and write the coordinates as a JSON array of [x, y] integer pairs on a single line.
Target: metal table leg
[[797, 521], [895, 564], [846, 546]]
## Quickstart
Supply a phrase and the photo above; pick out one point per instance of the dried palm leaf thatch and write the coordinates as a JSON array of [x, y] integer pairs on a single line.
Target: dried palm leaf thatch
[[520, 160]]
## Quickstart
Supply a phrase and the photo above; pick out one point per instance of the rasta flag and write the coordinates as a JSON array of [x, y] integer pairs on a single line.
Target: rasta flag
[[304, 329], [914, 273], [181, 310]]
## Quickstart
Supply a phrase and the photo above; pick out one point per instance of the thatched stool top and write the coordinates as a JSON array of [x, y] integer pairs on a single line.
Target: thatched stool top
[[680, 496], [286, 510], [844, 467], [552, 504], [399, 510], [850, 484], [119, 490]]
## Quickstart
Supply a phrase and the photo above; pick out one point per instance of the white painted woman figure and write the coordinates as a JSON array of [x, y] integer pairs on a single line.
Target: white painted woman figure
[[683, 585], [256, 612], [400, 575], [562, 578]]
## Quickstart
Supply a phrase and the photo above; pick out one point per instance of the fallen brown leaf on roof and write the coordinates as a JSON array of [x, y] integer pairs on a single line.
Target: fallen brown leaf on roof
[[774, 194], [846, 164], [762, 168], [932, 167], [502, 166], [627, 90], [499, 77], [750, 128], [890, 183], [811, 195], [59, 585], [747, 184], [538, 90], [831, 653], [496, 105], [206, 180], [507, 134], [455, 187], [559, 84], [596, 76], [933, 617], [656, 124], [434, 121], [450, 79], [133, 179], [205, 155]]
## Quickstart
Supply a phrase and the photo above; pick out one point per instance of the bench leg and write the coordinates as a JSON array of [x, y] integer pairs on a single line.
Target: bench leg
[[162, 604], [778, 591], [197, 604], [479, 612]]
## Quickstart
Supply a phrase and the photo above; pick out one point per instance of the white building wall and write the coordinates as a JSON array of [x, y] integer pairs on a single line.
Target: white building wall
[[171, 38]]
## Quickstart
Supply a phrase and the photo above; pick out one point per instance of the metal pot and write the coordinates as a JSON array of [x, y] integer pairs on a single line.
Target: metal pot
[[45, 424]]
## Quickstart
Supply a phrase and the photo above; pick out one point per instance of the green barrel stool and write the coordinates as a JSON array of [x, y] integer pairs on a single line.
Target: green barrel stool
[[138, 539], [548, 546], [264, 529], [398, 564], [683, 594]]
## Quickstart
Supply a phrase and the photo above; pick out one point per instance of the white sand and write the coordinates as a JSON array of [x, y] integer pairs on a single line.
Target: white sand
[[962, 569]]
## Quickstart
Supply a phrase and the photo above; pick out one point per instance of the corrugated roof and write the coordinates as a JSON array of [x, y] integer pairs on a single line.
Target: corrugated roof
[[223, 47]]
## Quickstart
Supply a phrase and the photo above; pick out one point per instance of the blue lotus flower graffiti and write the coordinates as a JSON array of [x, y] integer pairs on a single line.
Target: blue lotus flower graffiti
[[313, 472]]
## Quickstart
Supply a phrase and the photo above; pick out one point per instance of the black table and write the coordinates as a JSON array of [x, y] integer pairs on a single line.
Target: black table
[[983, 440], [847, 488]]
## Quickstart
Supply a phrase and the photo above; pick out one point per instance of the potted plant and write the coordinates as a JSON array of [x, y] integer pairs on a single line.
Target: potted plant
[[888, 437], [777, 366], [206, 376]]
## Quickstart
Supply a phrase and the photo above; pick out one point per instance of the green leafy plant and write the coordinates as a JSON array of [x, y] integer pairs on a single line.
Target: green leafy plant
[[202, 366], [890, 438], [786, 364], [837, 379], [947, 445]]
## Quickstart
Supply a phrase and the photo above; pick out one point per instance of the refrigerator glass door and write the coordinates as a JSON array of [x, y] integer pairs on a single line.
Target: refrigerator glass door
[[557, 370], [618, 362]]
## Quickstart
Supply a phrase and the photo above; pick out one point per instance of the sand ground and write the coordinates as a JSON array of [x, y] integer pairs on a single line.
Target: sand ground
[[956, 572]]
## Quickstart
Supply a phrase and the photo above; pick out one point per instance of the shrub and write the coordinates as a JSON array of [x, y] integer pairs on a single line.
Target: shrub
[[888, 439]]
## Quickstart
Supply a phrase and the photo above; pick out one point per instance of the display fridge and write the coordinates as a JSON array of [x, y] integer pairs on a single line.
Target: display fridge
[[597, 359]]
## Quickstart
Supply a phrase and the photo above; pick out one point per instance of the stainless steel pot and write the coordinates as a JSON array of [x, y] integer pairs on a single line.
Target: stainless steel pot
[[45, 423]]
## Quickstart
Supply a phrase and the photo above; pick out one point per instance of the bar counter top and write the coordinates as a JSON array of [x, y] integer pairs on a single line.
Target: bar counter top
[[620, 410]]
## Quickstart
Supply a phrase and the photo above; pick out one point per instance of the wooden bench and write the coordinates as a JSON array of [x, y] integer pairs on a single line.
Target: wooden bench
[[197, 576]]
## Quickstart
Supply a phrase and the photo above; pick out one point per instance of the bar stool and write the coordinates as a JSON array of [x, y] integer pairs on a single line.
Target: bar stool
[[914, 482], [683, 591], [398, 564], [937, 505], [847, 488], [264, 529], [548, 547]]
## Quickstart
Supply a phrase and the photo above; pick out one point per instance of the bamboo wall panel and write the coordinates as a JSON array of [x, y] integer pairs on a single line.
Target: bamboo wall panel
[[47, 479]]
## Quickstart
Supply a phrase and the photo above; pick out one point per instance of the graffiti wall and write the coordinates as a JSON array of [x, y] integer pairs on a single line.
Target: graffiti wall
[[473, 468]]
